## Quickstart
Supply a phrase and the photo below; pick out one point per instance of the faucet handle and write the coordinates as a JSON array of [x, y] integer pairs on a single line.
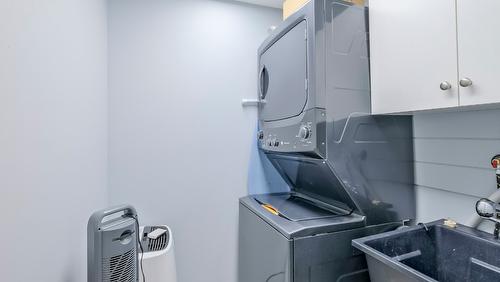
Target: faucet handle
[[488, 209], [495, 161]]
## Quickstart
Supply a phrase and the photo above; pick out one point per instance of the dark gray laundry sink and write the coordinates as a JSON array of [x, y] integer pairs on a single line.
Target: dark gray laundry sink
[[434, 252]]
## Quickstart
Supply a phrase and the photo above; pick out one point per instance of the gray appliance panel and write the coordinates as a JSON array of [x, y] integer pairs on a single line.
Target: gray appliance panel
[[314, 178], [367, 160], [293, 229], [110, 234], [374, 158], [330, 257], [286, 131], [295, 207], [283, 75], [264, 254], [285, 136]]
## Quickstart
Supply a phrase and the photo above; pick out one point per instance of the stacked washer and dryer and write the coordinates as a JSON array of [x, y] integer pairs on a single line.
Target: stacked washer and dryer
[[350, 173]]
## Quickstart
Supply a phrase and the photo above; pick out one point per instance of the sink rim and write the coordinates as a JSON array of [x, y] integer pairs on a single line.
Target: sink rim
[[361, 244]]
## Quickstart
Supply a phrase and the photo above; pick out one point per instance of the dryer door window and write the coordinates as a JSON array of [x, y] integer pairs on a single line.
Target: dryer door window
[[283, 75]]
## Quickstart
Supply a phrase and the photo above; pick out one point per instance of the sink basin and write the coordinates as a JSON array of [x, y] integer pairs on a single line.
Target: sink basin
[[433, 252]]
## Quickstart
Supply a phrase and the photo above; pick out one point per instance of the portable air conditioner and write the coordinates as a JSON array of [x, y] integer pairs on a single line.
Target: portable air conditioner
[[158, 261], [112, 245]]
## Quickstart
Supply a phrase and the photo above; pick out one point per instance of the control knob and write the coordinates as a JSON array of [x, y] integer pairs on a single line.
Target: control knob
[[260, 135], [304, 132]]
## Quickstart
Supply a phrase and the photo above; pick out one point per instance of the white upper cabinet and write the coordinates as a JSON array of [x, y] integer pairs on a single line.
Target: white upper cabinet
[[478, 33], [433, 54], [413, 51]]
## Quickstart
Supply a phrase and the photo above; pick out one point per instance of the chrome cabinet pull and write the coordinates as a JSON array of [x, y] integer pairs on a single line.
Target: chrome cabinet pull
[[445, 85], [465, 82]]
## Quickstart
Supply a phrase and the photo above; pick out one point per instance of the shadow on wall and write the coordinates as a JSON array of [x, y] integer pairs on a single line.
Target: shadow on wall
[[262, 176]]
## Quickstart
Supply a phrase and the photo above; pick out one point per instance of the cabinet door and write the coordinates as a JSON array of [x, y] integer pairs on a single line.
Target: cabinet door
[[479, 51], [413, 51]]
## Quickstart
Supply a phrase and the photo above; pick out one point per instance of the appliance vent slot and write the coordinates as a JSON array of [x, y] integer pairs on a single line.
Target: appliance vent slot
[[120, 268], [157, 244]]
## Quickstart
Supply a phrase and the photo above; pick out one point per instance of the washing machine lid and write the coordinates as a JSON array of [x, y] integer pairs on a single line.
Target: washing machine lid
[[283, 75], [296, 207], [301, 228]]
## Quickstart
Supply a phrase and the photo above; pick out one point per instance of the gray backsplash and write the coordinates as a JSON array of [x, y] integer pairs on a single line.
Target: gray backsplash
[[452, 162]]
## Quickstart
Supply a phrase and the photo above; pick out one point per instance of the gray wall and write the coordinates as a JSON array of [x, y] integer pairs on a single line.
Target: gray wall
[[452, 162], [53, 116], [179, 139]]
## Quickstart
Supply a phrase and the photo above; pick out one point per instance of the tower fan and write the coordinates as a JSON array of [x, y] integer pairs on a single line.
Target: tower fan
[[112, 244]]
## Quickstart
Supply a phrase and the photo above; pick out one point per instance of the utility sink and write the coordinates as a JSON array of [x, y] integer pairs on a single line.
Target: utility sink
[[432, 252]]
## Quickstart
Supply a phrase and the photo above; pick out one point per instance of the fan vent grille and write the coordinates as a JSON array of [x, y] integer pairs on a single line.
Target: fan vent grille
[[157, 244], [120, 268]]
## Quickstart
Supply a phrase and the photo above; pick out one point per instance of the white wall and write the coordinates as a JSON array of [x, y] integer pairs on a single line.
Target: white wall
[[452, 162], [268, 3], [179, 138], [53, 128]]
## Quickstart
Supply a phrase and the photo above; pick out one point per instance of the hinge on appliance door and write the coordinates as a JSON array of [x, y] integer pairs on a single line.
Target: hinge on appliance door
[[306, 86], [305, 34]]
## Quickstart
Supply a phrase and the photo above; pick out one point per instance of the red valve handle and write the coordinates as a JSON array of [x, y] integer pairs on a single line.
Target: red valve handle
[[495, 163]]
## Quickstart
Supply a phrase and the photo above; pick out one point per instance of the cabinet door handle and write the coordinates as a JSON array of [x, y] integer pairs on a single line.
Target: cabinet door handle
[[465, 82], [445, 85]]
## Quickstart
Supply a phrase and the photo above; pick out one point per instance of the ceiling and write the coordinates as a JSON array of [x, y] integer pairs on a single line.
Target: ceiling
[[268, 3]]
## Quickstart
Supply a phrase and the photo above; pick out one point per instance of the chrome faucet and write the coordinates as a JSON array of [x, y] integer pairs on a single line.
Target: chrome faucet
[[489, 210]]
